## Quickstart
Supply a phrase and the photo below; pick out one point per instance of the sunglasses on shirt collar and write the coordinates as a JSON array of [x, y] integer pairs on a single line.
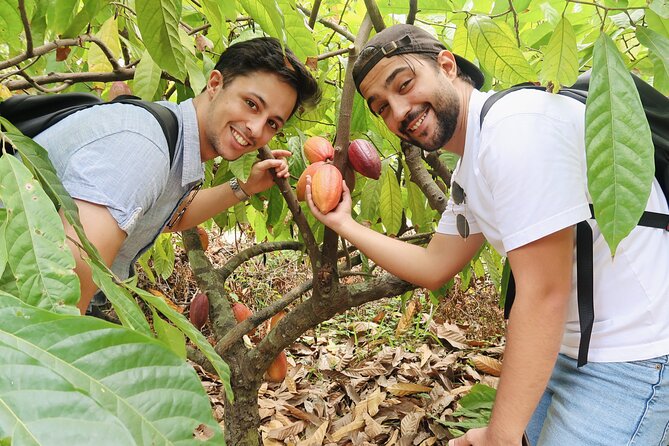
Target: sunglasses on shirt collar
[[460, 197]]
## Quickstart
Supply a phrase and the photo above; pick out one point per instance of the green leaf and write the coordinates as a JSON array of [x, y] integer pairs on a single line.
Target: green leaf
[[479, 397], [275, 206], [417, 206], [660, 7], [126, 307], [89, 9], [163, 255], [68, 378], [143, 261], [369, 201], [169, 335], [60, 15], [40, 260], [498, 52], [10, 23], [193, 334], [390, 203], [657, 23], [618, 143], [241, 167], [268, 15], [560, 64], [147, 78], [656, 43], [196, 78], [461, 45], [158, 21]]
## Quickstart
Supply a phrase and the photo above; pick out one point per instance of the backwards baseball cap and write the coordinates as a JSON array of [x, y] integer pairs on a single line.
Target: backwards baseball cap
[[405, 39]]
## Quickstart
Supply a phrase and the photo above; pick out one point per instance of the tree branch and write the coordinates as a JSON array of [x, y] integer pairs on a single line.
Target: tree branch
[[440, 168], [26, 28], [71, 78], [413, 10], [375, 15], [255, 250], [328, 24], [314, 13], [421, 177]]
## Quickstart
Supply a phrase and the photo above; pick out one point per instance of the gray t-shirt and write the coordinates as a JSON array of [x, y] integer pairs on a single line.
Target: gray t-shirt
[[116, 155]]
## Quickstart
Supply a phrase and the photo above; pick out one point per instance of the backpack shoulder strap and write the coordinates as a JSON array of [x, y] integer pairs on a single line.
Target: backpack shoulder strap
[[165, 117]]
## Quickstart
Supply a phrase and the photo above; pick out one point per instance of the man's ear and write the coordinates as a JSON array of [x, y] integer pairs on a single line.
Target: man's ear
[[214, 83], [446, 61]]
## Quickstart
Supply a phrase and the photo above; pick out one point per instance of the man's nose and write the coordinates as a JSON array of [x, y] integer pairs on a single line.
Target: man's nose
[[255, 126], [399, 109]]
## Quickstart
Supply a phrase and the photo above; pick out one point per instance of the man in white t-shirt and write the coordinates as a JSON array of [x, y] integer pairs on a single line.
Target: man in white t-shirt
[[521, 185]]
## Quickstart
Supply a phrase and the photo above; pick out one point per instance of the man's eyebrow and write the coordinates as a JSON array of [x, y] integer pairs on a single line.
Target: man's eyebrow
[[264, 104], [388, 81]]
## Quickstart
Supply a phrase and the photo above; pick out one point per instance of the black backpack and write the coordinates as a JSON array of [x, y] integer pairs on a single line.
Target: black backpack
[[32, 114], [656, 107]]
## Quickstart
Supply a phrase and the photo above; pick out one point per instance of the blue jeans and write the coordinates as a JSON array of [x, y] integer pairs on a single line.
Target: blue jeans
[[606, 403]]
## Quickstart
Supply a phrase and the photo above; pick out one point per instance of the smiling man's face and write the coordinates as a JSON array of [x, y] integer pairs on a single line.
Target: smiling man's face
[[245, 114], [415, 98]]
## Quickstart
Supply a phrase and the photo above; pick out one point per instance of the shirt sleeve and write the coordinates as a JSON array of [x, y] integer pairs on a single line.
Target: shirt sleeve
[[534, 165]]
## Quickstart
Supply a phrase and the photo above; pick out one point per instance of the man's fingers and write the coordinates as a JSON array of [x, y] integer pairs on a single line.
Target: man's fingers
[[281, 153]]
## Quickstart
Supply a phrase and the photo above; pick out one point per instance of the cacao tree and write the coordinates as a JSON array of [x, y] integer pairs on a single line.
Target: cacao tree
[[163, 50]]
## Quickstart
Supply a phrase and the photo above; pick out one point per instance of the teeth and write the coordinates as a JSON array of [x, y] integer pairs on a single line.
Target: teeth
[[418, 123], [239, 138]]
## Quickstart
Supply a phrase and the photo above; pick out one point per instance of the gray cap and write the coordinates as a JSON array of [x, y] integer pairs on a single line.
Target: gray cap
[[406, 39]]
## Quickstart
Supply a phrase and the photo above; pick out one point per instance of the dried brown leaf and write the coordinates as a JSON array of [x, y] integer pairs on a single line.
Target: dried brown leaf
[[406, 319], [167, 300], [403, 389], [487, 365], [409, 424], [452, 334], [317, 437], [356, 424], [287, 431]]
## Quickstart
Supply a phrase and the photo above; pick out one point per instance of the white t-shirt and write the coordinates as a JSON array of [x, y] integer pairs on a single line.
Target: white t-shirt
[[524, 176]]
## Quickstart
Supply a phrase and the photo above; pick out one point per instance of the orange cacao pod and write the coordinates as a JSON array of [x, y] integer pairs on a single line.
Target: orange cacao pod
[[364, 158], [199, 310], [317, 148], [326, 188], [302, 182], [276, 371], [241, 313], [204, 238]]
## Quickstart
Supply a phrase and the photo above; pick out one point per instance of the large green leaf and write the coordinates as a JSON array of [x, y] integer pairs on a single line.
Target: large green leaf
[[81, 380], [498, 52], [390, 203], [268, 15], [298, 37], [656, 43], [619, 145], [193, 334], [158, 21], [560, 66], [10, 23], [60, 14], [40, 260], [241, 167], [417, 206], [147, 78]]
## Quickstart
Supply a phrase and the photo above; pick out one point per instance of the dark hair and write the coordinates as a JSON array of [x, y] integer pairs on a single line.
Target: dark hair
[[266, 54]]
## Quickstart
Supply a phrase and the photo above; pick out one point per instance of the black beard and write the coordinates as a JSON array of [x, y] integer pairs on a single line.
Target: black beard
[[447, 109]]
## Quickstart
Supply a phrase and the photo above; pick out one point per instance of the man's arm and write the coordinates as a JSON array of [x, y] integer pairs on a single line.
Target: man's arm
[[214, 200], [429, 267], [104, 233], [542, 271]]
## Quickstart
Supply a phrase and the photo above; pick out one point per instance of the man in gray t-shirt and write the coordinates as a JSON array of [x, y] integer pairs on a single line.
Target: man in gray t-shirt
[[114, 159]]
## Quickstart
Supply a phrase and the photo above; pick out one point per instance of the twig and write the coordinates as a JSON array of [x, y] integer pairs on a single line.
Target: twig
[[314, 13], [328, 24], [334, 53], [255, 250], [422, 179], [413, 10], [375, 15], [72, 78], [26, 27]]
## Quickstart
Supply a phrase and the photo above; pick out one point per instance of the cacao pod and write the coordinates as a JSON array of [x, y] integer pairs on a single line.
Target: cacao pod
[[62, 52], [199, 310], [241, 313], [204, 237], [276, 372], [118, 88], [302, 182], [364, 158], [317, 148], [326, 188]]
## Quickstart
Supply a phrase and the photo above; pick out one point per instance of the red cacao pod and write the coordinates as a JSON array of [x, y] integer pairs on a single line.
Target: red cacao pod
[[326, 188], [118, 88], [204, 237], [276, 372], [302, 181], [317, 148], [241, 313], [364, 158], [199, 310]]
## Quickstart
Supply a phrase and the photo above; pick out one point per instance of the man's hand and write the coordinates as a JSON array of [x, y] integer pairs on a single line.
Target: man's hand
[[480, 437], [336, 217], [260, 178]]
